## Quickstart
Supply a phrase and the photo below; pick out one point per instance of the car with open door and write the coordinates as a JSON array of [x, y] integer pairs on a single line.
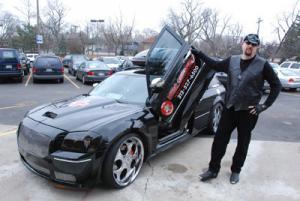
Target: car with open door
[[107, 134]]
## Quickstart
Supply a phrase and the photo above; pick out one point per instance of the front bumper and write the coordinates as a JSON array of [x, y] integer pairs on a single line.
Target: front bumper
[[35, 144]]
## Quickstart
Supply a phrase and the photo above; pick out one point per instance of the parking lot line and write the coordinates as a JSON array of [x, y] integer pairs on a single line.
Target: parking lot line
[[8, 133], [72, 82], [27, 81]]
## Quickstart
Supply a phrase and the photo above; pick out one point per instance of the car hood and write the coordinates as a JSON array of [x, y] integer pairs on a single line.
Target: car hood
[[82, 112]]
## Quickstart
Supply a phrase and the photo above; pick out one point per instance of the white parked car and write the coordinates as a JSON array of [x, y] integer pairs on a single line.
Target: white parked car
[[293, 65], [288, 78], [31, 56]]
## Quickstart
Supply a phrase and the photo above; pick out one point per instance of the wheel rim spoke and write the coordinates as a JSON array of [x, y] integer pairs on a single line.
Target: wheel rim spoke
[[128, 161]]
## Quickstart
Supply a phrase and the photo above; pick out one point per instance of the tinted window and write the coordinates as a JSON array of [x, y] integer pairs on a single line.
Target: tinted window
[[48, 62], [98, 65], [295, 66], [285, 65], [8, 55], [123, 88], [111, 60], [164, 52]]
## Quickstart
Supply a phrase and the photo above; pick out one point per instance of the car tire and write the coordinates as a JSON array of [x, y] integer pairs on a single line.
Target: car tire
[[123, 161], [215, 116], [77, 78], [61, 80]]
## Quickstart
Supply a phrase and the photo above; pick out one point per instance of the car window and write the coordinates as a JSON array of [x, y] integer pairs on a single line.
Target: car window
[[165, 50], [98, 65], [111, 60], [295, 66], [8, 55], [123, 88], [48, 62], [285, 65]]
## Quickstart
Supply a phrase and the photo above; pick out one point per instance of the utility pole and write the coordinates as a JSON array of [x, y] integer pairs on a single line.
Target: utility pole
[[38, 23], [259, 20]]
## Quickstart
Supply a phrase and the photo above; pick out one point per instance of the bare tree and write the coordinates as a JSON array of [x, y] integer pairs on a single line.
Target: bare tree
[[188, 22], [117, 34], [288, 32], [286, 20], [8, 26], [55, 14], [27, 10]]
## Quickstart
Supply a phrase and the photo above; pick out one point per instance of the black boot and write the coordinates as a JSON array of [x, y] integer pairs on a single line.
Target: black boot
[[234, 178], [208, 175]]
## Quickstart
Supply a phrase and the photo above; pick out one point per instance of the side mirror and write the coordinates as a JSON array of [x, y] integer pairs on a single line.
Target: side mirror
[[157, 85]]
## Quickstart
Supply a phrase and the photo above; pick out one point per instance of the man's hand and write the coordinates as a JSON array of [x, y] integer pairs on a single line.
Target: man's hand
[[255, 110]]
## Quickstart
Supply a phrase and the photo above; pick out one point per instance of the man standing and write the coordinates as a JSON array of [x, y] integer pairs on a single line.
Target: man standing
[[246, 75]]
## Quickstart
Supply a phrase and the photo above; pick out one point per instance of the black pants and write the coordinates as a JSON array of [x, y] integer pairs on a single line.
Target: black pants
[[245, 123]]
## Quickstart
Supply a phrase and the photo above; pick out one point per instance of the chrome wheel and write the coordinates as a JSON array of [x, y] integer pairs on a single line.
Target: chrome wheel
[[128, 161]]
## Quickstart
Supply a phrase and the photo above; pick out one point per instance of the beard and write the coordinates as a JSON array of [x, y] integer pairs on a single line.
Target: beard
[[248, 52]]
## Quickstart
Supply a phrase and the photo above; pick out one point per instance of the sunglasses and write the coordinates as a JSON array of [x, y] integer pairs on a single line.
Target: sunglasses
[[253, 45]]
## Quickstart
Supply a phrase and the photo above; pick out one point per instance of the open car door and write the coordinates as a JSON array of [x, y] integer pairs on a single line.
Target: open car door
[[176, 80]]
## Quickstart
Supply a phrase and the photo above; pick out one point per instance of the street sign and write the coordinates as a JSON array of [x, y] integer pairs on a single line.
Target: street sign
[[39, 39]]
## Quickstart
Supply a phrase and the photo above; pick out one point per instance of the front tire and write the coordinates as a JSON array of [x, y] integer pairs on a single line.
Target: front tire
[[124, 161]]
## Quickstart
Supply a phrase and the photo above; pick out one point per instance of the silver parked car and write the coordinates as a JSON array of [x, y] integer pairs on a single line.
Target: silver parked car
[[288, 78]]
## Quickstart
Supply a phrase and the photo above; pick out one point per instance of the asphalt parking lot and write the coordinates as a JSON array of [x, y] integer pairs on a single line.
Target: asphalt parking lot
[[271, 171]]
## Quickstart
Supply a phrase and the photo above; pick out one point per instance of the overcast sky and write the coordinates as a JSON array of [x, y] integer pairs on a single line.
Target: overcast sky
[[149, 13]]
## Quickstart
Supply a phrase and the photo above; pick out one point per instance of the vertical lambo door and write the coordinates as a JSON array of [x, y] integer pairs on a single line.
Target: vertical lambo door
[[176, 81]]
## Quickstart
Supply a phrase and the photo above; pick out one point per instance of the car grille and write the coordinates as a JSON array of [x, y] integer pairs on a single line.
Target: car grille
[[33, 142]]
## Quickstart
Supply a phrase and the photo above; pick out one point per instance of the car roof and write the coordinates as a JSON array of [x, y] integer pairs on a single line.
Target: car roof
[[7, 48]]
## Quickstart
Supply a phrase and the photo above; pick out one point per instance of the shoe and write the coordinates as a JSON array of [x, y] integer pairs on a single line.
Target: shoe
[[208, 175], [234, 178]]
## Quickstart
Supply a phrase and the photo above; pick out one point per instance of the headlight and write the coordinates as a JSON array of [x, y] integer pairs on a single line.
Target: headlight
[[82, 142]]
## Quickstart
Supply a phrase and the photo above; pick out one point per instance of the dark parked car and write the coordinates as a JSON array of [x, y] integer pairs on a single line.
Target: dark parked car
[[48, 68], [139, 58], [93, 71], [75, 61], [107, 134], [25, 63], [10, 64]]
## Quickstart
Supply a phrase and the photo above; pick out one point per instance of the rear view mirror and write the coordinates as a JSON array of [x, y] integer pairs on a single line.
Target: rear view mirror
[[157, 84]]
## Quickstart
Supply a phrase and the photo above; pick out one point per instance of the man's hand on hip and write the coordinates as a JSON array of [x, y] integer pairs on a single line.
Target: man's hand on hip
[[255, 110]]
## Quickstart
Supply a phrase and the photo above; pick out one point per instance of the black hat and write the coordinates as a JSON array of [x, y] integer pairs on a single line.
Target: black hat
[[252, 38]]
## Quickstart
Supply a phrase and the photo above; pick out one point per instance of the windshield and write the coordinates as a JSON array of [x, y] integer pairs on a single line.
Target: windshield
[[111, 60], [123, 88], [98, 65]]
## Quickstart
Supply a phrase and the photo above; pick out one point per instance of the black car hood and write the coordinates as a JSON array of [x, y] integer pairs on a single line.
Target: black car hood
[[82, 113]]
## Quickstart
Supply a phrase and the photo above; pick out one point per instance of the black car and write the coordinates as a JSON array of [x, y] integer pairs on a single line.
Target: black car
[[93, 71], [48, 68], [10, 64], [107, 134]]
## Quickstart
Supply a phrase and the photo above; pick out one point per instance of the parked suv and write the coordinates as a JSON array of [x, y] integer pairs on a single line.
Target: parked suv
[[10, 66], [48, 68], [75, 61]]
